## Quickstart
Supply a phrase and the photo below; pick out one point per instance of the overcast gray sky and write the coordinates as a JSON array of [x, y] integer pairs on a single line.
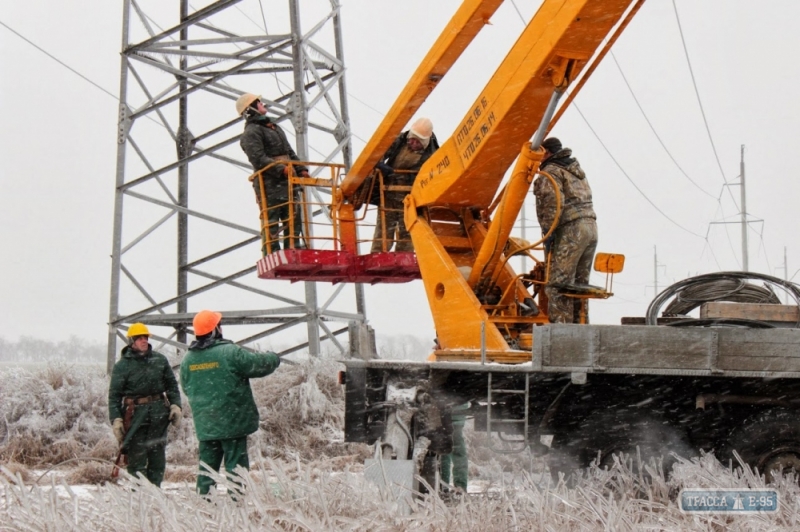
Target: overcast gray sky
[[57, 143]]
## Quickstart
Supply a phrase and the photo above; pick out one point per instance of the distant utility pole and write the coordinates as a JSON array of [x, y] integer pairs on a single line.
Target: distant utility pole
[[655, 271], [785, 269], [743, 222], [656, 265], [745, 266], [785, 276]]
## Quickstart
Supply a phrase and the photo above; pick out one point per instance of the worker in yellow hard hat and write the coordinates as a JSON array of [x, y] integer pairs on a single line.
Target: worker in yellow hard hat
[[265, 143], [409, 151], [215, 377], [143, 399]]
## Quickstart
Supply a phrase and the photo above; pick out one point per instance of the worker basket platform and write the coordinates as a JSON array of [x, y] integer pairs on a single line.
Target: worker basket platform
[[312, 235]]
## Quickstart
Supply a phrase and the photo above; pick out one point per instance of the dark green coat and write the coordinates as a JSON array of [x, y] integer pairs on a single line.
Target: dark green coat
[[138, 376], [262, 141], [215, 376]]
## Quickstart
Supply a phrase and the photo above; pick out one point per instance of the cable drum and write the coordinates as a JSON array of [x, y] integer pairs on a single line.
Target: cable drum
[[688, 294]]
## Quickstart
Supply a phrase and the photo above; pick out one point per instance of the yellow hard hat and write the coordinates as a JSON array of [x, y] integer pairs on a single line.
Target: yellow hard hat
[[138, 329], [244, 102]]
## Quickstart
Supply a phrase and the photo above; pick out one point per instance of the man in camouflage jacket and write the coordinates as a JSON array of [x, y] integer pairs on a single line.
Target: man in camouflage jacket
[[264, 143], [143, 389], [574, 240]]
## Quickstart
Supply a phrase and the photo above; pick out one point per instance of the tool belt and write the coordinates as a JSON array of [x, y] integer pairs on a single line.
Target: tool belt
[[145, 399]]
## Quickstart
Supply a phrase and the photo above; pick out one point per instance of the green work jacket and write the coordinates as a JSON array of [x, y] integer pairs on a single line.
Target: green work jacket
[[215, 376], [136, 375]]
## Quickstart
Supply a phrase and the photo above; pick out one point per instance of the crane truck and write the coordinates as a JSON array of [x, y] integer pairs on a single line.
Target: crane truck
[[575, 392]]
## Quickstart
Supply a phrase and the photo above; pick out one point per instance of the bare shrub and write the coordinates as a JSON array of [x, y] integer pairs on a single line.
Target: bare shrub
[[302, 412], [12, 469], [96, 473], [186, 474]]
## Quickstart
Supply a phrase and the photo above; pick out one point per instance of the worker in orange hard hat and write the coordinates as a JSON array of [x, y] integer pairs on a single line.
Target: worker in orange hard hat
[[265, 144], [143, 399], [399, 165], [215, 377]]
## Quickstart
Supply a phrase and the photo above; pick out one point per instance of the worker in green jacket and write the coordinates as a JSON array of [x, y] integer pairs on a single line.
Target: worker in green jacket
[[215, 376], [143, 399], [458, 458]]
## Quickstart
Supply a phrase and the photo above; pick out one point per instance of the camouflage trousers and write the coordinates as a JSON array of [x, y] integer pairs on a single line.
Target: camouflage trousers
[[571, 258], [395, 228]]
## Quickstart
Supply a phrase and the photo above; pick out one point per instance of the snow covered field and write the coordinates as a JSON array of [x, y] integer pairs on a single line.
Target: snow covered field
[[56, 447]]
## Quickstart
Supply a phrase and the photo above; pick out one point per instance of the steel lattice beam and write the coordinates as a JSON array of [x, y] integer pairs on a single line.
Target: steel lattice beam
[[178, 159]]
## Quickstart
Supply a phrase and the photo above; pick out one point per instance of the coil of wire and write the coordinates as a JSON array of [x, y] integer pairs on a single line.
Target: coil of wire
[[688, 294]]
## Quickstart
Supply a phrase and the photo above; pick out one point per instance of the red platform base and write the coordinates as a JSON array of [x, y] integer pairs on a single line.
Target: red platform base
[[339, 266]]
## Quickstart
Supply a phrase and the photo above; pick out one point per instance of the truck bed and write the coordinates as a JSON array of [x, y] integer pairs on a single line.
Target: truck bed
[[655, 350]]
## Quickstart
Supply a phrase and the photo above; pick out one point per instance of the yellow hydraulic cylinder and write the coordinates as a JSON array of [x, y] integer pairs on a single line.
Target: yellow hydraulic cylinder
[[506, 213]]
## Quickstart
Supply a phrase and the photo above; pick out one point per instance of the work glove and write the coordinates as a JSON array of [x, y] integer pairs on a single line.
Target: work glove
[[305, 173], [119, 430], [385, 169], [175, 415]]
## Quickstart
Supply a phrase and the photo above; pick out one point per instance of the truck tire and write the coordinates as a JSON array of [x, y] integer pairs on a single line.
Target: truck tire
[[602, 437], [769, 442]]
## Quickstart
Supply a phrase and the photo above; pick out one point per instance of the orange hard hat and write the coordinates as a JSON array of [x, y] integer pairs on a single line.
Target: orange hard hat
[[205, 322]]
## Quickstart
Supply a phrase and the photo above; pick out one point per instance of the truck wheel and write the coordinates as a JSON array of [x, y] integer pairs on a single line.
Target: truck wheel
[[600, 438], [651, 437], [769, 442]]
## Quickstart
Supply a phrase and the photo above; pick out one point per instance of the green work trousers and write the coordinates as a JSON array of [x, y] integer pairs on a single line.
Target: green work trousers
[[212, 452], [458, 460], [146, 449]]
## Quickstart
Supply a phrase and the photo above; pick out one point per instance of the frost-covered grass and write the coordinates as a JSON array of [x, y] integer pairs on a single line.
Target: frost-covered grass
[[304, 477], [282, 496], [59, 412]]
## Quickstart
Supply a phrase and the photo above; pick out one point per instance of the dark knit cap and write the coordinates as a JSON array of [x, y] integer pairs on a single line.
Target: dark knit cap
[[552, 144]]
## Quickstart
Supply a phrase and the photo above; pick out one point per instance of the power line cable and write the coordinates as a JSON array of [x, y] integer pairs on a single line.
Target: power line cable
[[653, 129], [513, 3], [628, 177], [727, 233], [699, 101], [57, 60]]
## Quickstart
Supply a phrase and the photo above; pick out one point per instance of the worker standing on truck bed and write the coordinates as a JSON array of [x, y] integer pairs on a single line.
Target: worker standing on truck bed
[[409, 151], [573, 242], [264, 143], [143, 399], [215, 376]]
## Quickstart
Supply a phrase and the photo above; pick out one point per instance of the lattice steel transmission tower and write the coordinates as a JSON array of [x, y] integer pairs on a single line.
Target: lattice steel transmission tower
[[185, 233]]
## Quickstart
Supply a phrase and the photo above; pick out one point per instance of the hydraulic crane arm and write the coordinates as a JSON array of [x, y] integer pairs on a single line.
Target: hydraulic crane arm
[[470, 287], [553, 49], [467, 22]]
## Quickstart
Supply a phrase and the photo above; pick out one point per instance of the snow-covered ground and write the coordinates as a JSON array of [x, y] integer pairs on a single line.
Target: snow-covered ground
[[56, 447]]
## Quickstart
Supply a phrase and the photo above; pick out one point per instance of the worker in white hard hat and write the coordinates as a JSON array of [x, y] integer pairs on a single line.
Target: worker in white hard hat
[[265, 143], [408, 152]]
